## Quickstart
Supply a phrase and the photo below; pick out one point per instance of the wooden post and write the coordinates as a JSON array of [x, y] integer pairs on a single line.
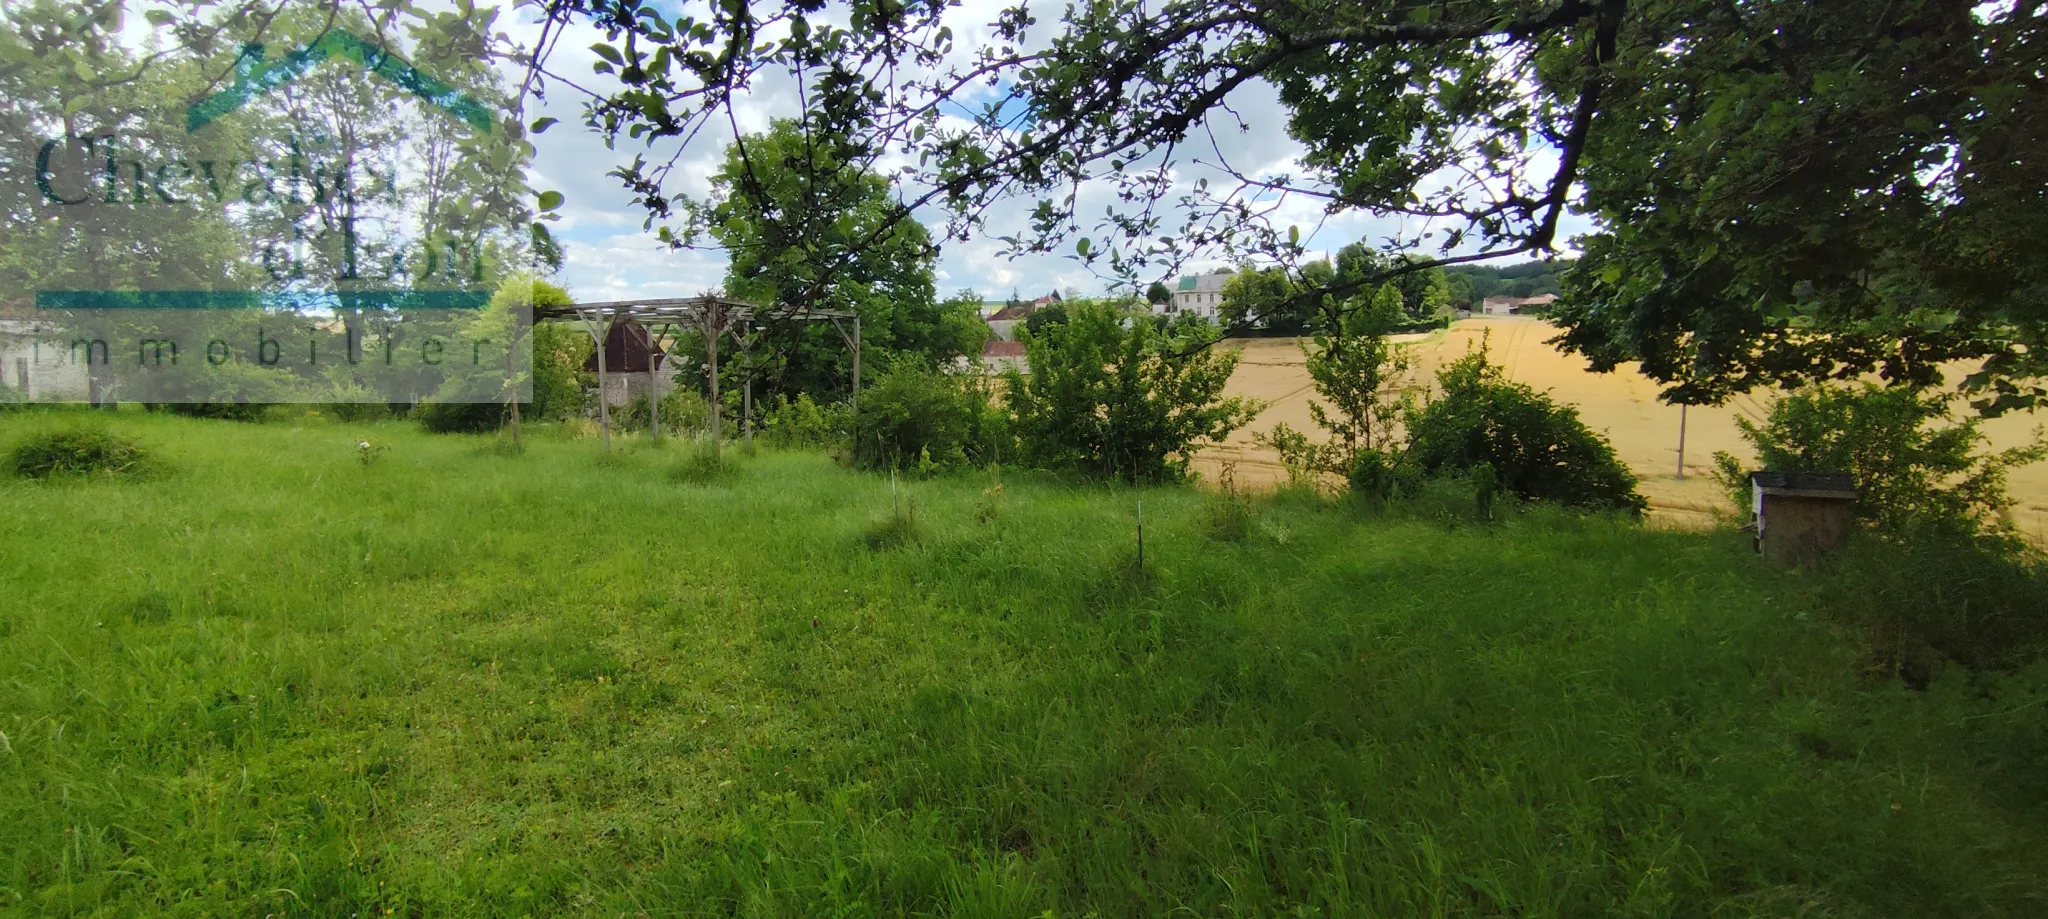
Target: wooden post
[[712, 327], [1144, 580], [856, 365], [653, 390], [604, 410], [514, 395], [1681, 440]]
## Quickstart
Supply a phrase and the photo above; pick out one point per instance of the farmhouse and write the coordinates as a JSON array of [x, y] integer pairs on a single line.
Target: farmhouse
[[1200, 294], [1511, 306], [1003, 322], [999, 356]]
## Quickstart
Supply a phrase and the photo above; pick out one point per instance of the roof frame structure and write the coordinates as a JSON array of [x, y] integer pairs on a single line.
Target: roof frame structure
[[714, 315]]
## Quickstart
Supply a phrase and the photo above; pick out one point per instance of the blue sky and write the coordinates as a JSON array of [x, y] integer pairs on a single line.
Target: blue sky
[[609, 255]]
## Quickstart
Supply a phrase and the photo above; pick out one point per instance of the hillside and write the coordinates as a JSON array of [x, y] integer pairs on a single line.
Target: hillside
[[277, 681]]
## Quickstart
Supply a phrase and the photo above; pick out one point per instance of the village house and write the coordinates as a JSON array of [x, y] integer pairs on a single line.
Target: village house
[[1513, 306], [1200, 294]]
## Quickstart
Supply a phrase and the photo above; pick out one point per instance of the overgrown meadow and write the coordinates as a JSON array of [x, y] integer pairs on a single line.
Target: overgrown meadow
[[282, 675]]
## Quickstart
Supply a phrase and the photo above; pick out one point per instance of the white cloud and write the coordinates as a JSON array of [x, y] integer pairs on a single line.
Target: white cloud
[[608, 254]]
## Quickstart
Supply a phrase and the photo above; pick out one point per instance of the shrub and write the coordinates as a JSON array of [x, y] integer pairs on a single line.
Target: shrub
[[1912, 471], [358, 411], [11, 399], [682, 411], [1354, 370], [1538, 450], [1978, 600], [804, 423], [77, 451], [225, 411], [914, 417], [354, 402], [461, 417], [559, 351], [1114, 397]]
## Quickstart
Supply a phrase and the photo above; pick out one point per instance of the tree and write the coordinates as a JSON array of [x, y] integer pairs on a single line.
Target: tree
[[1051, 314], [1424, 294], [1157, 294], [802, 232], [1356, 371], [1913, 468], [1784, 190], [559, 351], [1254, 297], [1107, 396]]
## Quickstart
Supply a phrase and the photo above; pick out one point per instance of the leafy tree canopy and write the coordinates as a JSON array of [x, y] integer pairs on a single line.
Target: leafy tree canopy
[[807, 226], [1783, 189]]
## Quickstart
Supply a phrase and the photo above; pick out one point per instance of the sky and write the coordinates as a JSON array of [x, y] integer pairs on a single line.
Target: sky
[[609, 255]]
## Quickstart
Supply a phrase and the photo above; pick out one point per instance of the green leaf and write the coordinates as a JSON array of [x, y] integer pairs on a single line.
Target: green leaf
[[1081, 247], [607, 52], [541, 125], [550, 200]]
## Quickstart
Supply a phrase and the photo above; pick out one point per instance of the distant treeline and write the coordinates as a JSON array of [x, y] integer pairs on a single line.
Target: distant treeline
[[1473, 283]]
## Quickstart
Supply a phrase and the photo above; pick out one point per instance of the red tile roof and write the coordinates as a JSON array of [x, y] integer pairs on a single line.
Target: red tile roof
[[1003, 349]]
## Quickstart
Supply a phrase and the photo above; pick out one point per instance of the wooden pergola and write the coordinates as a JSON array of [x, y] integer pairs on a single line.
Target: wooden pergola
[[715, 316]]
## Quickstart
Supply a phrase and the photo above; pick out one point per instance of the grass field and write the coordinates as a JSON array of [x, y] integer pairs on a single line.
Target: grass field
[[276, 681], [1623, 405]]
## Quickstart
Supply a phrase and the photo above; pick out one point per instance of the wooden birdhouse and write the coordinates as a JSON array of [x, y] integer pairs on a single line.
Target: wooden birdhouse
[[1801, 515]]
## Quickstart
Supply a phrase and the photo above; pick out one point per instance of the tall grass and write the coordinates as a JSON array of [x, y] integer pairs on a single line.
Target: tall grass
[[459, 683]]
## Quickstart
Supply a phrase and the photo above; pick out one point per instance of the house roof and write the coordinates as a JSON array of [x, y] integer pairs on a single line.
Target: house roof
[[1003, 349], [1010, 314], [1839, 485]]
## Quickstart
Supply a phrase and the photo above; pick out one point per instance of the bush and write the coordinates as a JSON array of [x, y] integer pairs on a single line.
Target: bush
[[461, 417], [357, 411], [225, 411], [1538, 450], [1356, 372], [354, 402], [917, 418], [1980, 601], [1114, 397], [1912, 471], [77, 451], [804, 423], [559, 351], [11, 399], [682, 411]]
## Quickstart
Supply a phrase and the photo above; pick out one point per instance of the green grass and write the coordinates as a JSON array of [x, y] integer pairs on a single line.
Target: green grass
[[275, 681]]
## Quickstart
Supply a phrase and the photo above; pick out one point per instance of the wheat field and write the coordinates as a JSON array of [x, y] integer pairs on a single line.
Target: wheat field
[[1622, 404]]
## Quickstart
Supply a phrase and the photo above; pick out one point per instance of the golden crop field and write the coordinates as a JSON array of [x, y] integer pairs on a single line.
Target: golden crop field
[[1623, 405]]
